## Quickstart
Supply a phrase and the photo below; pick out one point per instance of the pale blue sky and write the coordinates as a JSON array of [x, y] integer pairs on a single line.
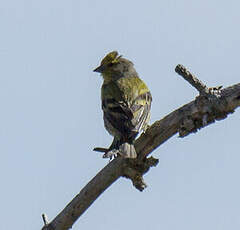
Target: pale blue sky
[[51, 114]]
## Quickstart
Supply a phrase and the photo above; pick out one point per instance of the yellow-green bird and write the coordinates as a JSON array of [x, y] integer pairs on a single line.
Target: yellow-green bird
[[126, 103]]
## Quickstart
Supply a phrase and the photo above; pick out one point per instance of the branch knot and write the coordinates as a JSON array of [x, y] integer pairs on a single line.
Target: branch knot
[[134, 169]]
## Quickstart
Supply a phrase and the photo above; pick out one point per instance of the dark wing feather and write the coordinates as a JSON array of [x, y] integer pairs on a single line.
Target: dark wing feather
[[126, 119], [141, 110], [117, 118]]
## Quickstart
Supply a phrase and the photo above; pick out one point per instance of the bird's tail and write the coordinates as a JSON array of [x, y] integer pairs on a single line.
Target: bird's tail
[[127, 150]]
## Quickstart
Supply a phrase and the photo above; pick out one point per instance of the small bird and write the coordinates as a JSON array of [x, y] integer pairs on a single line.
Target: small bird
[[126, 103]]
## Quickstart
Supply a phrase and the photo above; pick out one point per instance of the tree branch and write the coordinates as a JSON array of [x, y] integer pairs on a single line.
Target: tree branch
[[196, 83], [212, 104]]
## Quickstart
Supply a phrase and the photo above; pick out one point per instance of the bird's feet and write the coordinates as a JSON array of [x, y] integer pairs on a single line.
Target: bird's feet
[[111, 154], [108, 153]]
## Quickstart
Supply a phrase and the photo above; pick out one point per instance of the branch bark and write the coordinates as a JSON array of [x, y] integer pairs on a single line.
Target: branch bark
[[212, 104]]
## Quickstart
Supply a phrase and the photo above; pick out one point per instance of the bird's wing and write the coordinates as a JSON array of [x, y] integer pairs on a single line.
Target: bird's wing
[[126, 116], [117, 118], [141, 111]]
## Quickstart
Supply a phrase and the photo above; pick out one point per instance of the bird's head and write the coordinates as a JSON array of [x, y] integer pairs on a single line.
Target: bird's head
[[114, 66]]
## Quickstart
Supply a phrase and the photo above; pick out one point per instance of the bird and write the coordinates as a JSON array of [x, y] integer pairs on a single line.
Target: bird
[[126, 103]]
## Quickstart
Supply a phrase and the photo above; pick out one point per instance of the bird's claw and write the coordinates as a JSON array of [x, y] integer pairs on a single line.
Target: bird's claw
[[111, 154]]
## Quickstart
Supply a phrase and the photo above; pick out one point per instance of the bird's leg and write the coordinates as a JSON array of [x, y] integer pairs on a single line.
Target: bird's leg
[[111, 152]]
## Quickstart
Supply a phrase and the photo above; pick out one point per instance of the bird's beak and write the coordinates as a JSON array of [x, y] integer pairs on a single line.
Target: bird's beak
[[99, 69]]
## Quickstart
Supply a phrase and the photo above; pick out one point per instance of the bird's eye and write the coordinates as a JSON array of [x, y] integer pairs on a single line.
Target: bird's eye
[[110, 64]]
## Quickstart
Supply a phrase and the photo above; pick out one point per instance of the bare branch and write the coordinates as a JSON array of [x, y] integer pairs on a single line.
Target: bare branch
[[45, 219], [196, 83], [87, 196], [212, 104]]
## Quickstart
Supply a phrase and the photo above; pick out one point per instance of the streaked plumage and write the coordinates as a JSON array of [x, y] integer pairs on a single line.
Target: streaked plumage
[[126, 103]]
